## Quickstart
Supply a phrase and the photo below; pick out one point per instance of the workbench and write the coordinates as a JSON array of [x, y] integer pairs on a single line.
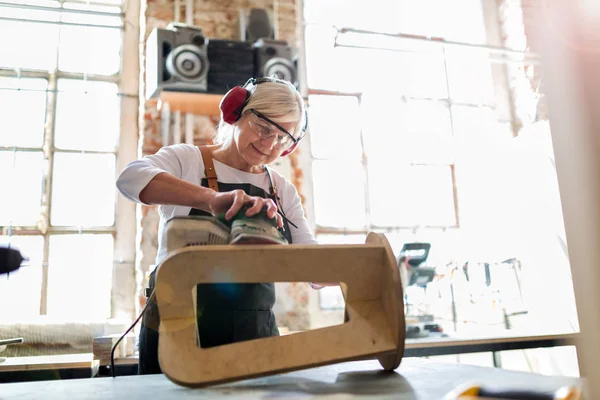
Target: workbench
[[414, 379], [71, 366]]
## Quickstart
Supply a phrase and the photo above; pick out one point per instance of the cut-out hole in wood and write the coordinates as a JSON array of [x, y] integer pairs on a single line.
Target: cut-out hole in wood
[[236, 312]]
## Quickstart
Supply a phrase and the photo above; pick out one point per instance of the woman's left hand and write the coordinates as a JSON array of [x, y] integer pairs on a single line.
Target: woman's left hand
[[231, 203]]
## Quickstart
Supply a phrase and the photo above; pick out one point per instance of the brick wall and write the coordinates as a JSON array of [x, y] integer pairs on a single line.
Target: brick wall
[[534, 13], [218, 19], [517, 19]]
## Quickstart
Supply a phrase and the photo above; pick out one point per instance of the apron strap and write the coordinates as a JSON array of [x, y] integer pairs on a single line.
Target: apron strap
[[209, 168], [275, 196]]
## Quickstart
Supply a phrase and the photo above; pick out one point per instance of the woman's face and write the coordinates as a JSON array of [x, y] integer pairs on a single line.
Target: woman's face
[[260, 142]]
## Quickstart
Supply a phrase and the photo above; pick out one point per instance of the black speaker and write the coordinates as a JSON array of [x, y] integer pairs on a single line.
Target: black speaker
[[231, 64], [273, 58], [176, 60]]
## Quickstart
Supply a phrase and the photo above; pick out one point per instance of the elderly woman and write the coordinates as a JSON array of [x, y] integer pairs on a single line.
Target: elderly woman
[[260, 122]]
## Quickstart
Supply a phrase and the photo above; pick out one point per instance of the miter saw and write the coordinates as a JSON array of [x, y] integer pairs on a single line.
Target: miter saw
[[416, 272]]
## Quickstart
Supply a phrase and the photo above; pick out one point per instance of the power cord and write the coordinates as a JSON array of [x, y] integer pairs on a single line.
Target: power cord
[[112, 352]]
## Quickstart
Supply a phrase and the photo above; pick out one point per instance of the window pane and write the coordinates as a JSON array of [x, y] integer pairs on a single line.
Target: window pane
[[20, 291], [335, 127], [330, 297], [420, 195], [378, 15], [419, 75], [80, 276], [504, 131], [339, 194], [28, 44], [460, 20], [88, 49], [341, 239], [334, 68], [91, 19], [416, 130], [24, 112], [456, 20], [87, 115], [473, 124], [470, 77], [22, 175], [400, 66], [115, 2], [83, 191], [45, 3], [417, 69], [70, 4]]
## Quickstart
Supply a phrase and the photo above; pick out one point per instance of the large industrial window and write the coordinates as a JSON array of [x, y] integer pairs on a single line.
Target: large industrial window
[[389, 114], [59, 133]]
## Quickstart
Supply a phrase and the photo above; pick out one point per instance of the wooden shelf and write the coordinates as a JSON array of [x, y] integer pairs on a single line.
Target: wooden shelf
[[54, 362], [195, 103], [60, 361]]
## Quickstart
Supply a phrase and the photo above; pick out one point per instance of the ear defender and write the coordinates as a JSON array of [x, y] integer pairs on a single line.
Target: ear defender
[[233, 103]]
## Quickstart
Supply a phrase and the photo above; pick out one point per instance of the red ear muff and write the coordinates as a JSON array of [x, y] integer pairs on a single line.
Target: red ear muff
[[290, 150], [233, 103]]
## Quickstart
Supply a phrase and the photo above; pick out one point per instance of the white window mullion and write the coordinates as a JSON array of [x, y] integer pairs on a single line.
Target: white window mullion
[[365, 165], [48, 150], [47, 193], [123, 301]]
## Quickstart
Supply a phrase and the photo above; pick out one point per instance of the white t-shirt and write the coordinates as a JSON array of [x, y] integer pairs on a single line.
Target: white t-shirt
[[185, 162]]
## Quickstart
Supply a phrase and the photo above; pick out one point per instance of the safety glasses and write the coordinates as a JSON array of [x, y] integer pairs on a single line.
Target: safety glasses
[[264, 127]]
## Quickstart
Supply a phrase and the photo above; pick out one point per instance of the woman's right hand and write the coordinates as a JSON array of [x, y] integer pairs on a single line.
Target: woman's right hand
[[231, 202]]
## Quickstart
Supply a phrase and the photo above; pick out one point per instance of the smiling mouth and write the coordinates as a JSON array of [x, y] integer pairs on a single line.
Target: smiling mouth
[[258, 151]]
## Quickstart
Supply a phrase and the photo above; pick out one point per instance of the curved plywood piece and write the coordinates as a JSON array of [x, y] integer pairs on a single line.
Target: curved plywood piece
[[374, 308], [392, 301]]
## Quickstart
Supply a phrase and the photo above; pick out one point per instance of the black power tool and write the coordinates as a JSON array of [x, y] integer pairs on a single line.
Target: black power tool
[[10, 259]]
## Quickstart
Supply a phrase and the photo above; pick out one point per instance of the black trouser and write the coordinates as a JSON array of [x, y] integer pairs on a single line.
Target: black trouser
[[218, 322]]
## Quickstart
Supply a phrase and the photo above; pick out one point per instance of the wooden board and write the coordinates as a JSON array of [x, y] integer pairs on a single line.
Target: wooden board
[[35, 363], [415, 379], [373, 304], [194, 103]]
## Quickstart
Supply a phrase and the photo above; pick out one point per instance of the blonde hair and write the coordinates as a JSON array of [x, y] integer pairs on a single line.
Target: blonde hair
[[278, 100]]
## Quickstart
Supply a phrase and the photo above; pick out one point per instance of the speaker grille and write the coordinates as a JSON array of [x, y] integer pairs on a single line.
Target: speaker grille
[[231, 64]]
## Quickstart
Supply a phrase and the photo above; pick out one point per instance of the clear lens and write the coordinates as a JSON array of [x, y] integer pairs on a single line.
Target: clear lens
[[282, 141], [285, 141]]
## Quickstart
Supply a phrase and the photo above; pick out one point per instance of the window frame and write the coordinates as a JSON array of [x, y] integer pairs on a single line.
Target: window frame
[[320, 229], [309, 159], [125, 150]]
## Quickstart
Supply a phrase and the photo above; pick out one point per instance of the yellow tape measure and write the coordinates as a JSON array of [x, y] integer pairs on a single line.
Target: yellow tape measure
[[474, 391]]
